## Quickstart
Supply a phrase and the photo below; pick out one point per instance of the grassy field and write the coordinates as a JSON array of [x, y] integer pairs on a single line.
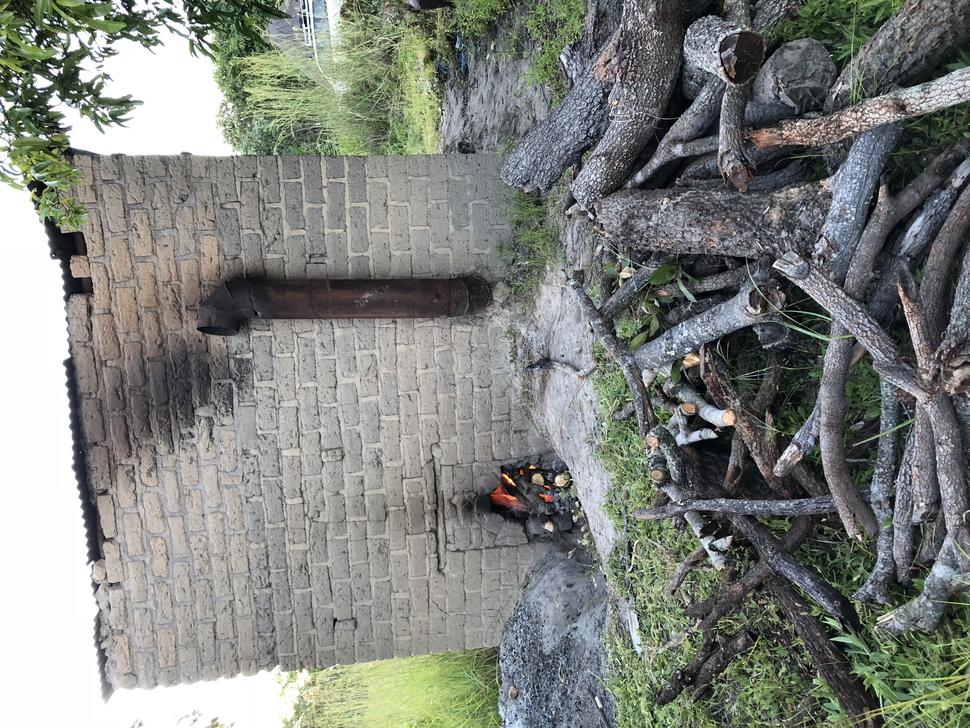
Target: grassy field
[[448, 690]]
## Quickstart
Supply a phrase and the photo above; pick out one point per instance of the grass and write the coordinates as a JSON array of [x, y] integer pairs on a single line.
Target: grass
[[921, 680], [533, 244], [549, 25], [447, 690]]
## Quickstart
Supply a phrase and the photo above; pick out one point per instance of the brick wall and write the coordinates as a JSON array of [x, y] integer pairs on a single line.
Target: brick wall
[[297, 494]]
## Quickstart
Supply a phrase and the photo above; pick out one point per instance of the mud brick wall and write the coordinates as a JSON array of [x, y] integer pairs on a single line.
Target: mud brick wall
[[298, 494]]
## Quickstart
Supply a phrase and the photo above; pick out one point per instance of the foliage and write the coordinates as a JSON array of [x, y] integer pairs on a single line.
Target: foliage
[[447, 690], [53, 55], [533, 244], [375, 93]]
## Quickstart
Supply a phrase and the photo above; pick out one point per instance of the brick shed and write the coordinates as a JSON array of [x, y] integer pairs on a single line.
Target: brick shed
[[298, 494]]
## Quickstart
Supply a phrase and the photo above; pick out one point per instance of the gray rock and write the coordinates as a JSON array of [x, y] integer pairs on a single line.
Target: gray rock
[[552, 659]]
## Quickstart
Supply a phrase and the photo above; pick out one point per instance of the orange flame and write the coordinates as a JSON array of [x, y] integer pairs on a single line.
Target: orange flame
[[500, 497]]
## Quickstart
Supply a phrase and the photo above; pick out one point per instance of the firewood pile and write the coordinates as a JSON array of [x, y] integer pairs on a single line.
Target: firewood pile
[[686, 135]]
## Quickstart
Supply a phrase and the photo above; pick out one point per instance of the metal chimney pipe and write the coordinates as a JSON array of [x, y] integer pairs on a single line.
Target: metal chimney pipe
[[233, 302]]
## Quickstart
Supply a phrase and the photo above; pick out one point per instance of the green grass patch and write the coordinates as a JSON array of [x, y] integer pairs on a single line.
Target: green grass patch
[[549, 25], [447, 690], [552, 25], [532, 245]]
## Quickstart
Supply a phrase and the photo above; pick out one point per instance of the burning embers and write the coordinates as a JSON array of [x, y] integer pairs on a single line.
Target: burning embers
[[536, 495]]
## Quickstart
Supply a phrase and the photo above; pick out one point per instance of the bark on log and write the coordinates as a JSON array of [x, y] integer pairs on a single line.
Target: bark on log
[[942, 93], [848, 312], [787, 508], [876, 588], [921, 35], [853, 188], [618, 351], [702, 222], [902, 514], [785, 565], [736, 167], [934, 289], [689, 126], [649, 51], [625, 294], [571, 128], [828, 657]]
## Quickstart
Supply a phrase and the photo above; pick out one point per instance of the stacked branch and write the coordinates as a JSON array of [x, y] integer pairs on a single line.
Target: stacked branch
[[743, 212]]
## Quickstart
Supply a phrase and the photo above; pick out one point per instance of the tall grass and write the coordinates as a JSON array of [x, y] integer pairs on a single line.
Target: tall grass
[[448, 690], [374, 93]]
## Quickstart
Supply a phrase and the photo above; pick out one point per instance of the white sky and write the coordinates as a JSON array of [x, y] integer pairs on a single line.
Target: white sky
[[48, 668]]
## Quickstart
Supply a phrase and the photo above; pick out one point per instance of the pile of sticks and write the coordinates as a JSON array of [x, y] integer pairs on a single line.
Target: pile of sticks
[[743, 197]]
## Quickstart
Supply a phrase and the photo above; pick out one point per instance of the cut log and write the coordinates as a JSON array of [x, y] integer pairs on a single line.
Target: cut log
[[703, 222], [724, 49], [942, 93], [648, 54]]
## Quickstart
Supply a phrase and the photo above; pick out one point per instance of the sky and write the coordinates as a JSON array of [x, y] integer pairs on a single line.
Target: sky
[[48, 667]]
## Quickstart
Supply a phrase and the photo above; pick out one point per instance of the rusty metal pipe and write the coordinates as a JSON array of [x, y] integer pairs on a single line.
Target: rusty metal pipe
[[225, 309]]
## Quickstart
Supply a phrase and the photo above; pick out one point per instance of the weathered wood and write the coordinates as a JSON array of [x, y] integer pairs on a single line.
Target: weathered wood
[[625, 294], [648, 51], [913, 42], [902, 514], [789, 507], [934, 288], [556, 144], [907, 103], [736, 168], [785, 565], [618, 351], [876, 588], [831, 662], [693, 122], [853, 188], [702, 222], [747, 307], [848, 312]]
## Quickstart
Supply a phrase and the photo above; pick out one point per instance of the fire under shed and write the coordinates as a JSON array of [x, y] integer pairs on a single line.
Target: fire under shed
[[301, 490]]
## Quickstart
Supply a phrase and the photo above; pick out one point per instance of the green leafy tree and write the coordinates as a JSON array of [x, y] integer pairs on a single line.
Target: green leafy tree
[[52, 55]]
